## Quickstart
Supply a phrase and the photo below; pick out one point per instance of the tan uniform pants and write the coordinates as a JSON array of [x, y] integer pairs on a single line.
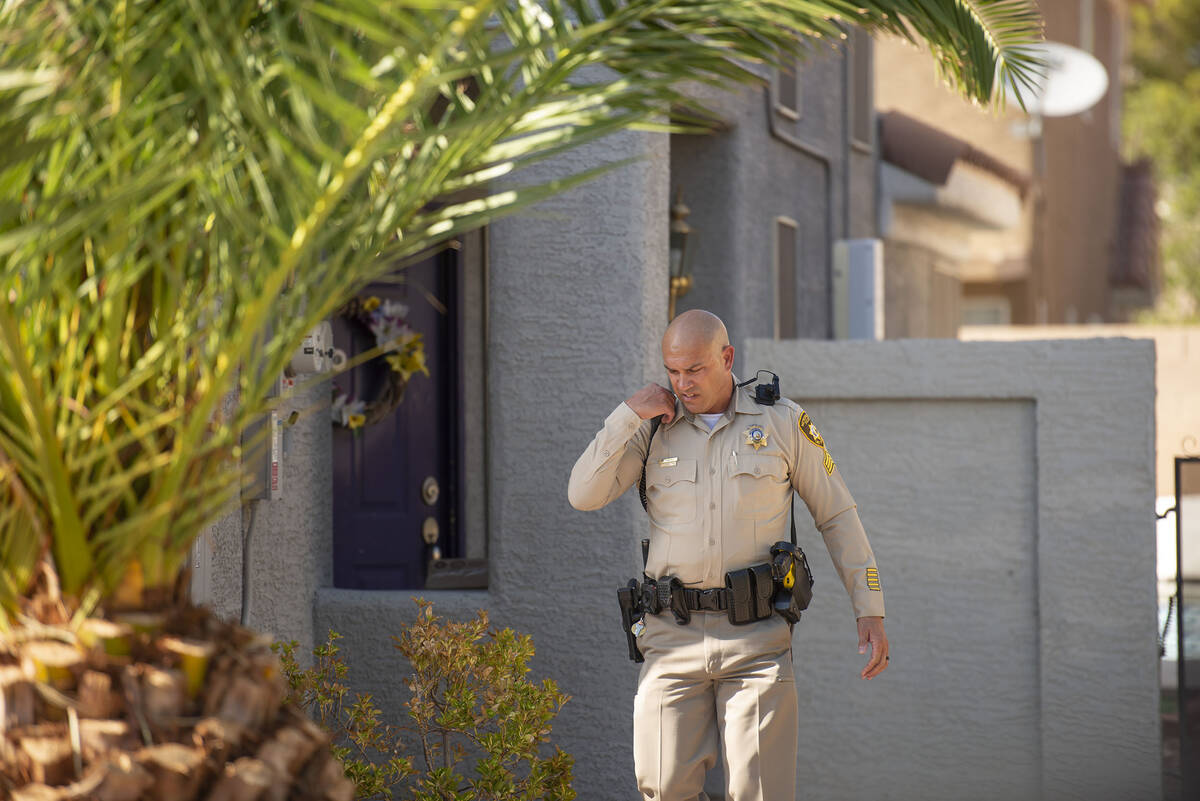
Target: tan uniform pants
[[708, 682]]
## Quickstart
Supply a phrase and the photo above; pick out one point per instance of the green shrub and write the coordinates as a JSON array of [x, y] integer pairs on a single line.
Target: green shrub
[[477, 724]]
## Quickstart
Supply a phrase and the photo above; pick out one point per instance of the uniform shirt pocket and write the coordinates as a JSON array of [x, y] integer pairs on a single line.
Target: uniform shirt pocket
[[760, 484], [671, 492]]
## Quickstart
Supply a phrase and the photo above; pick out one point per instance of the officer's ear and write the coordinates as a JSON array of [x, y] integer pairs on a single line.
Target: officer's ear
[[727, 357]]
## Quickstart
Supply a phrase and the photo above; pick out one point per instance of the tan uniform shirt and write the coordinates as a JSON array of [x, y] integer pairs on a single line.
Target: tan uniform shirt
[[718, 500]]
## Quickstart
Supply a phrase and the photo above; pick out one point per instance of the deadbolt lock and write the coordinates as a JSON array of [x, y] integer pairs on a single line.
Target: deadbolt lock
[[430, 491], [430, 531]]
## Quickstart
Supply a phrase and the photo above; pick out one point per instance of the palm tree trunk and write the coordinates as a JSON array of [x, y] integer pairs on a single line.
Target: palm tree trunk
[[119, 715]]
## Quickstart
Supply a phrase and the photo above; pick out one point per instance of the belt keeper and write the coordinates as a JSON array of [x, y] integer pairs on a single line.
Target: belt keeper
[[709, 600]]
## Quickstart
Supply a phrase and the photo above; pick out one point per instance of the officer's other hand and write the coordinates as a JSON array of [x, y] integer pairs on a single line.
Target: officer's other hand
[[653, 400], [870, 631]]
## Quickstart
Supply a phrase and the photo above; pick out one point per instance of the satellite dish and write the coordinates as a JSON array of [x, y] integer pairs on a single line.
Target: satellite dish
[[1071, 82]]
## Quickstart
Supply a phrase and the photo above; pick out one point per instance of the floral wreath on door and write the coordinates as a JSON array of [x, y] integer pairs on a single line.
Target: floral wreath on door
[[404, 352]]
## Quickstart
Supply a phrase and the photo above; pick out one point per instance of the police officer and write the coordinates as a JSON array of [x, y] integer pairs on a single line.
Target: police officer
[[720, 472]]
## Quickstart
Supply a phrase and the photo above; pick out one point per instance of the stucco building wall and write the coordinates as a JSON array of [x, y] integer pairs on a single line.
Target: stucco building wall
[[762, 166], [290, 547], [577, 305]]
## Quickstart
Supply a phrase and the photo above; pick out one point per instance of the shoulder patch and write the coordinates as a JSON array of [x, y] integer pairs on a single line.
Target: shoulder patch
[[809, 430], [811, 433]]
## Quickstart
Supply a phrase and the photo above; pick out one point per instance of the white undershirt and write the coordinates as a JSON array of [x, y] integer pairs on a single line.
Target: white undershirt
[[710, 420]]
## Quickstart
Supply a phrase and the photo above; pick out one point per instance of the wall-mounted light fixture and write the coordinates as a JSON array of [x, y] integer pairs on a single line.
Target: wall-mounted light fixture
[[681, 278]]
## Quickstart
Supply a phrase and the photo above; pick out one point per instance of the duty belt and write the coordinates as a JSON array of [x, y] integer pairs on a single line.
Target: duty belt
[[668, 594], [783, 586]]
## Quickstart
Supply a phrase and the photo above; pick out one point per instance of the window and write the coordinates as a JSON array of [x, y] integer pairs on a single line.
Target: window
[[787, 91], [861, 100], [785, 249], [993, 310]]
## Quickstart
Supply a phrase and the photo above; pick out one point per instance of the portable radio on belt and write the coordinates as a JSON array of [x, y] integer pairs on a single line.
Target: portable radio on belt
[[783, 585]]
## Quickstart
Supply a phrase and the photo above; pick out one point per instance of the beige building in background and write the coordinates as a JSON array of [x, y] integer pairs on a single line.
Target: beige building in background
[[988, 218]]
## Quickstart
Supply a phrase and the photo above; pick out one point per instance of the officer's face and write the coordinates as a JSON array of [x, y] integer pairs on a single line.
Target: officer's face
[[700, 375]]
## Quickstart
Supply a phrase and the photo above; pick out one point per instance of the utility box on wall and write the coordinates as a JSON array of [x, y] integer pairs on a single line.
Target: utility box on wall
[[858, 289]]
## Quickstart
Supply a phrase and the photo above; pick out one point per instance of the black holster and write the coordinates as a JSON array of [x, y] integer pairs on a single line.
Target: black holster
[[630, 599], [638, 599], [793, 581]]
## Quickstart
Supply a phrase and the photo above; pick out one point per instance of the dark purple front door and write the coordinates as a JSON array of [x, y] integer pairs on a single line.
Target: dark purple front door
[[384, 474]]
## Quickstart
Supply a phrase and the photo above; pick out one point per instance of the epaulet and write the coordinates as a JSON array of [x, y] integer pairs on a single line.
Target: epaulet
[[791, 404]]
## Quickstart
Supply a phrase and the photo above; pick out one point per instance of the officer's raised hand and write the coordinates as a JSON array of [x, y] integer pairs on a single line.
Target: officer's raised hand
[[651, 401]]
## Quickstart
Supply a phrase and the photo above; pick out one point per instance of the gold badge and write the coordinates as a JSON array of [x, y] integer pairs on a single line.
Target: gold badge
[[806, 425], [670, 461], [756, 436]]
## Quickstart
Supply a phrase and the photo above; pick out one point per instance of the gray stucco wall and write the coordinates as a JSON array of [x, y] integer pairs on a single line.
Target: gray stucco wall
[[291, 553], [1004, 487], [577, 304], [1008, 494]]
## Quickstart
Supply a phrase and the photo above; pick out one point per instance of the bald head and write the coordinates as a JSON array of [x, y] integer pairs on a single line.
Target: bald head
[[695, 328], [698, 359]]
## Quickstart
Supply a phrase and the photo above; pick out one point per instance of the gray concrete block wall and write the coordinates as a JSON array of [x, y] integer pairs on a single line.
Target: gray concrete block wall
[[1008, 494]]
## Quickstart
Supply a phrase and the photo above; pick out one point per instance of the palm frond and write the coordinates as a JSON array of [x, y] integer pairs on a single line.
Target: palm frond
[[979, 46], [188, 186]]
